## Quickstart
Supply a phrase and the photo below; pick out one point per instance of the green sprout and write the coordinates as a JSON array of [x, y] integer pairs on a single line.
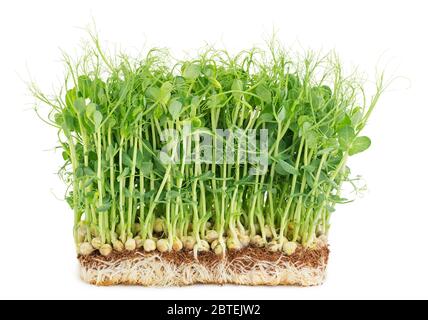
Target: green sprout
[[112, 117]]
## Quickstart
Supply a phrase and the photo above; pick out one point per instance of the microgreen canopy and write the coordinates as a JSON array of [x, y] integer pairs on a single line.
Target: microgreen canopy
[[111, 120]]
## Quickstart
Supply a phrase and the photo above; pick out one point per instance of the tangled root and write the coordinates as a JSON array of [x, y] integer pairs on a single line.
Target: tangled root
[[247, 267]]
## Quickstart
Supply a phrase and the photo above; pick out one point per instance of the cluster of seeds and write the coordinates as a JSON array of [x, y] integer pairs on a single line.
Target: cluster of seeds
[[211, 241], [112, 117]]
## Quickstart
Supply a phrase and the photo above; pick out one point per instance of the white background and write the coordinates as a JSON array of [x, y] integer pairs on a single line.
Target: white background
[[379, 243]]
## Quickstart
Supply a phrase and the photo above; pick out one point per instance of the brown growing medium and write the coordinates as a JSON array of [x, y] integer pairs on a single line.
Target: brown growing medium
[[301, 258], [248, 263]]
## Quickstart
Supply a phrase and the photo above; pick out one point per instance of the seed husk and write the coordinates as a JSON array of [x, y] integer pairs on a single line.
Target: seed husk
[[214, 244], [118, 245], [205, 244], [233, 244], [158, 226], [149, 245], [273, 246], [130, 244], [257, 241], [106, 250], [322, 240], [188, 243], [86, 248], [289, 247], [96, 243], [82, 232], [177, 245], [211, 236], [138, 242], [244, 240], [94, 231], [162, 245], [268, 232], [202, 246], [218, 250]]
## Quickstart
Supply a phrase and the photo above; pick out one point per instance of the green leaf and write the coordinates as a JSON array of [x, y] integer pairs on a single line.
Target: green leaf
[[153, 93], [309, 179], [88, 183], [346, 137], [175, 109], [344, 122], [264, 93], [158, 112], [311, 138], [70, 96], [65, 155], [284, 168], [124, 173], [111, 122], [146, 168], [104, 207], [265, 117], [165, 92], [69, 122], [79, 172], [360, 144], [98, 118], [309, 168], [191, 72], [281, 114], [172, 194], [90, 109], [92, 155], [127, 161], [237, 86], [80, 105], [102, 97], [85, 85], [215, 83], [356, 116], [89, 172], [302, 120]]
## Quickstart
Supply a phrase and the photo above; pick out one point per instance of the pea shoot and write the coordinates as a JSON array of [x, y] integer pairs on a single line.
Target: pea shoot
[[152, 167]]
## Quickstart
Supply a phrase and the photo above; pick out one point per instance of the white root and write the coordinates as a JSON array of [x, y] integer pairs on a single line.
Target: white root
[[153, 270]]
